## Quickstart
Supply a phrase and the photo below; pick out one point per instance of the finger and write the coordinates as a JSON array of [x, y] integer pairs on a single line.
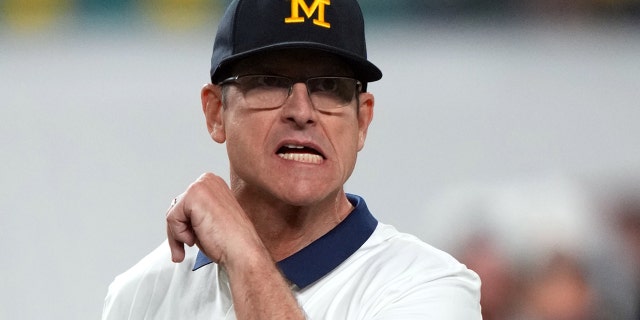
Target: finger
[[180, 225], [179, 231], [176, 247]]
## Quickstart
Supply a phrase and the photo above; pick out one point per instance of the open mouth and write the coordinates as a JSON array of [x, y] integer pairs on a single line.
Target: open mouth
[[300, 154]]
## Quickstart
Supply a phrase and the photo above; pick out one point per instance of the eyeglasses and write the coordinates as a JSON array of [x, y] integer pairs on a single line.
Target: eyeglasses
[[267, 91]]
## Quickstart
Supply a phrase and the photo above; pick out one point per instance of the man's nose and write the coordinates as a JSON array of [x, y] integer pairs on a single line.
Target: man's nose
[[299, 108]]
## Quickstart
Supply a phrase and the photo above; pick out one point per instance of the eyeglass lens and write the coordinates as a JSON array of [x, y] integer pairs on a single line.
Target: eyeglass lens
[[263, 91]]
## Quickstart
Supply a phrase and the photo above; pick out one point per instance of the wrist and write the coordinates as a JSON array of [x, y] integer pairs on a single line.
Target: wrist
[[246, 255]]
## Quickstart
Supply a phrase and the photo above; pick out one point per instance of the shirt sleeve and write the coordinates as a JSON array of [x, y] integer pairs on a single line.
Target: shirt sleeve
[[117, 303], [137, 293]]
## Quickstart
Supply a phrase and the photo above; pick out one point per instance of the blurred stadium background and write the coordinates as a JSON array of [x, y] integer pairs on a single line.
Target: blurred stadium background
[[506, 132]]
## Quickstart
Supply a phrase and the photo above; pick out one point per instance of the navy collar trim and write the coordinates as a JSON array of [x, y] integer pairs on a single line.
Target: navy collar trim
[[325, 254]]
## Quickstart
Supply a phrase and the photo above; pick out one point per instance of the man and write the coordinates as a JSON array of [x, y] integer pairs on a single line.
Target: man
[[284, 241]]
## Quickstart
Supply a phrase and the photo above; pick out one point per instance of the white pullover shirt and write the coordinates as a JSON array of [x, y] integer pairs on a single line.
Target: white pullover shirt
[[360, 270]]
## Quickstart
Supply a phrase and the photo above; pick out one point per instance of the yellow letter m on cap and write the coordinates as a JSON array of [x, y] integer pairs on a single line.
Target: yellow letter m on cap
[[317, 5]]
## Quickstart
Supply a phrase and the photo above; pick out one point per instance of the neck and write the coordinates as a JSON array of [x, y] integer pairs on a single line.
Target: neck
[[285, 228]]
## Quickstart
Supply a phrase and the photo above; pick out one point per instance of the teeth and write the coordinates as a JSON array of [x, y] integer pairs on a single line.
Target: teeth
[[302, 157], [291, 146]]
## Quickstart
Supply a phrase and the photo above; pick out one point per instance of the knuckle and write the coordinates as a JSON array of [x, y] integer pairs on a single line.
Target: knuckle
[[207, 176], [204, 184]]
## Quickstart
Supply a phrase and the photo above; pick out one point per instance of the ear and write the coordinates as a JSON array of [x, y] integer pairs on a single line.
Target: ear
[[365, 116], [211, 97]]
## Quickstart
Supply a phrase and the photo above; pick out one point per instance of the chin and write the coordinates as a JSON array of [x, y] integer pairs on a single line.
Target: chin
[[303, 197], [301, 200]]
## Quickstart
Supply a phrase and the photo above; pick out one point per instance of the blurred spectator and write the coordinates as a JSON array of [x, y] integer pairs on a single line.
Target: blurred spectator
[[499, 281], [626, 218], [542, 249], [559, 290]]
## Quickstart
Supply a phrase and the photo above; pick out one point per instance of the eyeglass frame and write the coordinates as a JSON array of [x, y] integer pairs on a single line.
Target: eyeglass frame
[[359, 86]]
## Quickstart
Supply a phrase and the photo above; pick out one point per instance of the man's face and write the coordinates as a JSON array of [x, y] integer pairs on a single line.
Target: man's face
[[293, 152]]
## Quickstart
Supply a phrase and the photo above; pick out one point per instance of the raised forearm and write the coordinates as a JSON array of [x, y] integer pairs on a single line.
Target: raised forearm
[[260, 291], [209, 216]]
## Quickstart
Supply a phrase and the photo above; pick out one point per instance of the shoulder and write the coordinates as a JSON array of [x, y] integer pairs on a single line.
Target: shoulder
[[145, 284], [399, 249], [395, 276], [412, 277]]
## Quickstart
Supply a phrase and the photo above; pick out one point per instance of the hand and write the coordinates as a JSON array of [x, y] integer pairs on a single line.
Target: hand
[[209, 216]]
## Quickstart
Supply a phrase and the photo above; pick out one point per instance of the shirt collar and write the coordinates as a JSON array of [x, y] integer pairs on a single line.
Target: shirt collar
[[325, 254]]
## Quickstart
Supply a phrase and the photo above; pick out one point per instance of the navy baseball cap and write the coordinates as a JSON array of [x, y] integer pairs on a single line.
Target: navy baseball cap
[[251, 27]]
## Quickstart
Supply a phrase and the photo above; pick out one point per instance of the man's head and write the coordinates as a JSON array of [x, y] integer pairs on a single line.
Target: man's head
[[251, 27], [295, 111], [297, 151]]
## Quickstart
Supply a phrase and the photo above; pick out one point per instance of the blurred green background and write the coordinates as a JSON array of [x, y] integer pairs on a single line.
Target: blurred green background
[[42, 15]]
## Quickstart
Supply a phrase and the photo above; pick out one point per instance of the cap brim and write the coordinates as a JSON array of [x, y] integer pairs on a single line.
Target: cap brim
[[363, 69]]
